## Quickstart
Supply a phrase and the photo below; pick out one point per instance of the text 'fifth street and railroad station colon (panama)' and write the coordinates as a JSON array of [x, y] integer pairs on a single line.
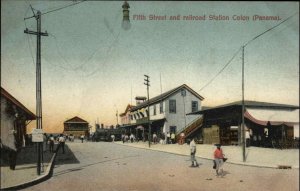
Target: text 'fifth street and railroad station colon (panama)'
[[154, 17]]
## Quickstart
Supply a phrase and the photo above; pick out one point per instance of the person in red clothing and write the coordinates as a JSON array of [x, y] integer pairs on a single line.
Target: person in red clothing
[[218, 157]]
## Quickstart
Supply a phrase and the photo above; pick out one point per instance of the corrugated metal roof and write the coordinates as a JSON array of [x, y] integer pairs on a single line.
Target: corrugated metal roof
[[250, 105], [166, 95]]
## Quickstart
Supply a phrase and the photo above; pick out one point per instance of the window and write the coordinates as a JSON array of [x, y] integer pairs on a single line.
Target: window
[[172, 106], [161, 107], [154, 109], [194, 106], [173, 129]]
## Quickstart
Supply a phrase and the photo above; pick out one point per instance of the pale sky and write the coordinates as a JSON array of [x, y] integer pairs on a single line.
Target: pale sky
[[92, 67]]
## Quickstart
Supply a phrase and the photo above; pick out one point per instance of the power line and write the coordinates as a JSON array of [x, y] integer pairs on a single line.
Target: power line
[[245, 46], [269, 29], [63, 7], [57, 9], [220, 70], [109, 50]]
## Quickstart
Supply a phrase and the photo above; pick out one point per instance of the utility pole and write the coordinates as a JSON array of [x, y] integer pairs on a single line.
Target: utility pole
[[243, 108], [117, 118], [38, 82], [146, 82]]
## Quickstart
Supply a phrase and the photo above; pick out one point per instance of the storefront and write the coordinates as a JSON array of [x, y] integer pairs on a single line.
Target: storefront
[[269, 124]]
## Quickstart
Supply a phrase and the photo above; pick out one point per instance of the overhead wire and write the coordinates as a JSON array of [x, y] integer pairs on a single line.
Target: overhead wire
[[269, 29], [221, 70], [63, 7], [57, 9], [116, 38], [248, 42], [29, 40]]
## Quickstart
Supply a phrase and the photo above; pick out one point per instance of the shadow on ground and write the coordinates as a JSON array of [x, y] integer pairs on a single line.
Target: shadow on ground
[[67, 157], [27, 155]]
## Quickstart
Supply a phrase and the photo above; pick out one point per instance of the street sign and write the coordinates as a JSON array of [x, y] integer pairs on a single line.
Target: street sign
[[37, 135]]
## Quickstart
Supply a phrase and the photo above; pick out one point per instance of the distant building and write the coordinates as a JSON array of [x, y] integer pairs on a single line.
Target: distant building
[[77, 127], [167, 112], [125, 117]]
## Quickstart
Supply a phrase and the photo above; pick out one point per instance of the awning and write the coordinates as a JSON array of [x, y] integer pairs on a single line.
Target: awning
[[275, 117], [140, 127], [152, 122]]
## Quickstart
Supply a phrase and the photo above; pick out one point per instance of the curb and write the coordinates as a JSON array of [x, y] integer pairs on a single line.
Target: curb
[[229, 162], [46, 176]]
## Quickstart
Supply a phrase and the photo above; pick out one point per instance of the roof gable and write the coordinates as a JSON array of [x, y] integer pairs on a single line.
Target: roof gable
[[76, 120], [126, 110], [10, 98], [167, 94]]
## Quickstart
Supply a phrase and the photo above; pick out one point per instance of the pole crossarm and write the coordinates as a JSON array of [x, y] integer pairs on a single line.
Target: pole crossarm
[[35, 33]]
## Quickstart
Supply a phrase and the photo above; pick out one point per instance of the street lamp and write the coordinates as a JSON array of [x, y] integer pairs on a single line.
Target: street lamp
[[126, 22]]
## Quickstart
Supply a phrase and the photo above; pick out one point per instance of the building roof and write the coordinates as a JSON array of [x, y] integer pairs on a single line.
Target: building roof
[[29, 115], [250, 105], [126, 110], [76, 120], [274, 117], [165, 95], [260, 113]]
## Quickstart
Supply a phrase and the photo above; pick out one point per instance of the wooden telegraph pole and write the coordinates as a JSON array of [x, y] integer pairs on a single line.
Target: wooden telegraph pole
[[38, 82], [149, 126]]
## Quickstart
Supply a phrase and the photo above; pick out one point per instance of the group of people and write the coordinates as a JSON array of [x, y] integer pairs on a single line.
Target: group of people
[[61, 142], [218, 158], [131, 138], [170, 138]]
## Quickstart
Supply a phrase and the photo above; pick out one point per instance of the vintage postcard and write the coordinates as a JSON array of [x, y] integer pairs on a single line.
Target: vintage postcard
[[149, 95]]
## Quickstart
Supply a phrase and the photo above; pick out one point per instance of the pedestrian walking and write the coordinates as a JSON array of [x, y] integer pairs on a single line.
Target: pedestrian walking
[[123, 138], [193, 153], [168, 137], [61, 141], [218, 157], [82, 138], [51, 143], [181, 141], [154, 138], [247, 136], [131, 138], [113, 138], [173, 138]]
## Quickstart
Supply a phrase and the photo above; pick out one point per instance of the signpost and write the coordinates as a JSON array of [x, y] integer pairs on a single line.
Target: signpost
[[37, 136]]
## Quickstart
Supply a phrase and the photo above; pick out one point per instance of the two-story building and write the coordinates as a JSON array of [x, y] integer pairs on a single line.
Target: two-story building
[[77, 127], [167, 112], [125, 117]]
